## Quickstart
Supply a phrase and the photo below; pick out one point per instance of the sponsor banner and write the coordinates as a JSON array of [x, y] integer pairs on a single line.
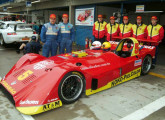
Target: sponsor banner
[[85, 16], [139, 8]]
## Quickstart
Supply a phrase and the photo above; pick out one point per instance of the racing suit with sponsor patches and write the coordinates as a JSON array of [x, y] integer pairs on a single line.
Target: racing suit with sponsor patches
[[139, 31], [66, 36], [125, 30], [99, 31], [155, 33], [49, 36], [112, 31]]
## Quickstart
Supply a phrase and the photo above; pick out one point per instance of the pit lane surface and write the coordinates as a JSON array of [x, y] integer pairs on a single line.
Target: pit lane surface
[[111, 104]]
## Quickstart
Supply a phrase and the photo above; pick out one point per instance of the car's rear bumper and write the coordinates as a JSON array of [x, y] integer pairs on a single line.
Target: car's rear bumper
[[18, 38]]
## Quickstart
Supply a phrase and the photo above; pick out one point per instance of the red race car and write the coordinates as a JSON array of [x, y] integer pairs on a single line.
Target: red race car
[[37, 84]]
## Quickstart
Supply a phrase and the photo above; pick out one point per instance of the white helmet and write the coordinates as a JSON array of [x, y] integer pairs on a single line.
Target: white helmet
[[96, 45]]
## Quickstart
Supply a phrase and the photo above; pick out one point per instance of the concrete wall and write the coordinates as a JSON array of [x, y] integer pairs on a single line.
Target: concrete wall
[[42, 16], [107, 11]]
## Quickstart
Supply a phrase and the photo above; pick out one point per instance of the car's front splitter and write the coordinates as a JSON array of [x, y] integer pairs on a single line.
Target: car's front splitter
[[39, 109]]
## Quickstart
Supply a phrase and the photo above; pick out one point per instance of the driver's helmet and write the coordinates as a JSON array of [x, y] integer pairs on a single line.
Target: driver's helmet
[[106, 46], [96, 45]]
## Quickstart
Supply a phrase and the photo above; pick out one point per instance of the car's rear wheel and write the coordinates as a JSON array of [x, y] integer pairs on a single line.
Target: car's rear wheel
[[146, 65], [71, 87]]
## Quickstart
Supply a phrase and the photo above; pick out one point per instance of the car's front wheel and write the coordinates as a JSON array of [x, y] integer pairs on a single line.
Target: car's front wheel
[[146, 65], [71, 87]]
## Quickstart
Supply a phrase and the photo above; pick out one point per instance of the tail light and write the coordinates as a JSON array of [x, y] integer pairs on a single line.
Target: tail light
[[34, 32], [11, 33]]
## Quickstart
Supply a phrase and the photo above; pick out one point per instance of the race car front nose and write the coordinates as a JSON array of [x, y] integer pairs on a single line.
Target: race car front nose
[[40, 108]]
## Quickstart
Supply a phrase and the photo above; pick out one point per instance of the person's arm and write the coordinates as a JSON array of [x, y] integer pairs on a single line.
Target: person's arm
[[93, 30], [43, 34], [106, 32], [59, 36], [72, 35], [161, 34], [145, 33], [118, 31]]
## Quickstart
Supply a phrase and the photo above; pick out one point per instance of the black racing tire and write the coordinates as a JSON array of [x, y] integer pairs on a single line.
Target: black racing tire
[[2, 41], [146, 65], [71, 87]]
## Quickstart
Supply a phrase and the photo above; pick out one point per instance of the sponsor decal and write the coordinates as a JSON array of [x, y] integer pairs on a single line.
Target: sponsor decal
[[148, 47], [13, 83], [25, 75], [52, 100], [49, 28], [125, 77], [42, 65], [138, 62], [8, 87], [95, 66], [29, 102], [51, 106], [130, 75]]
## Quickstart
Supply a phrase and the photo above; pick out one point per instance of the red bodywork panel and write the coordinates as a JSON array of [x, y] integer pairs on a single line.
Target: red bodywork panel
[[36, 79]]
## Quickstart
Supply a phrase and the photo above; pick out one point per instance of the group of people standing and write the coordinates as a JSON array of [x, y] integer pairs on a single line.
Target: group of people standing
[[108, 32], [56, 36], [103, 31]]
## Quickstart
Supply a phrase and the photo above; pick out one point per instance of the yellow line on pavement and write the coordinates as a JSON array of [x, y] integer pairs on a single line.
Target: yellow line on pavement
[[156, 75]]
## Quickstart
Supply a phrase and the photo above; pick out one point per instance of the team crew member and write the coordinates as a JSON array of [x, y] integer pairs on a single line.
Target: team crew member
[[112, 29], [99, 29], [66, 35], [49, 36], [139, 29], [155, 32], [125, 28]]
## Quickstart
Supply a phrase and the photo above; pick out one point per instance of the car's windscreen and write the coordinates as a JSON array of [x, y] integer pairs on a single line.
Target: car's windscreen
[[24, 27], [11, 26]]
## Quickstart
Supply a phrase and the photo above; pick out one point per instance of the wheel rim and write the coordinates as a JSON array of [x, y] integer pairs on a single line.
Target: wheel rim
[[72, 87], [146, 64]]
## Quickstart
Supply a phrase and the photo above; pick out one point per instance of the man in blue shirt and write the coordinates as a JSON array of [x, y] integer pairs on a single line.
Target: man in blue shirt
[[66, 35], [49, 36]]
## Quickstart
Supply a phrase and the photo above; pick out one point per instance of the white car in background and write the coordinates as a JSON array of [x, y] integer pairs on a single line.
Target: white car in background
[[15, 32]]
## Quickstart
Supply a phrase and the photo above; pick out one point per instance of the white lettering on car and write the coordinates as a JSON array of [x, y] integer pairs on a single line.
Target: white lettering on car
[[95, 66], [29, 102]]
